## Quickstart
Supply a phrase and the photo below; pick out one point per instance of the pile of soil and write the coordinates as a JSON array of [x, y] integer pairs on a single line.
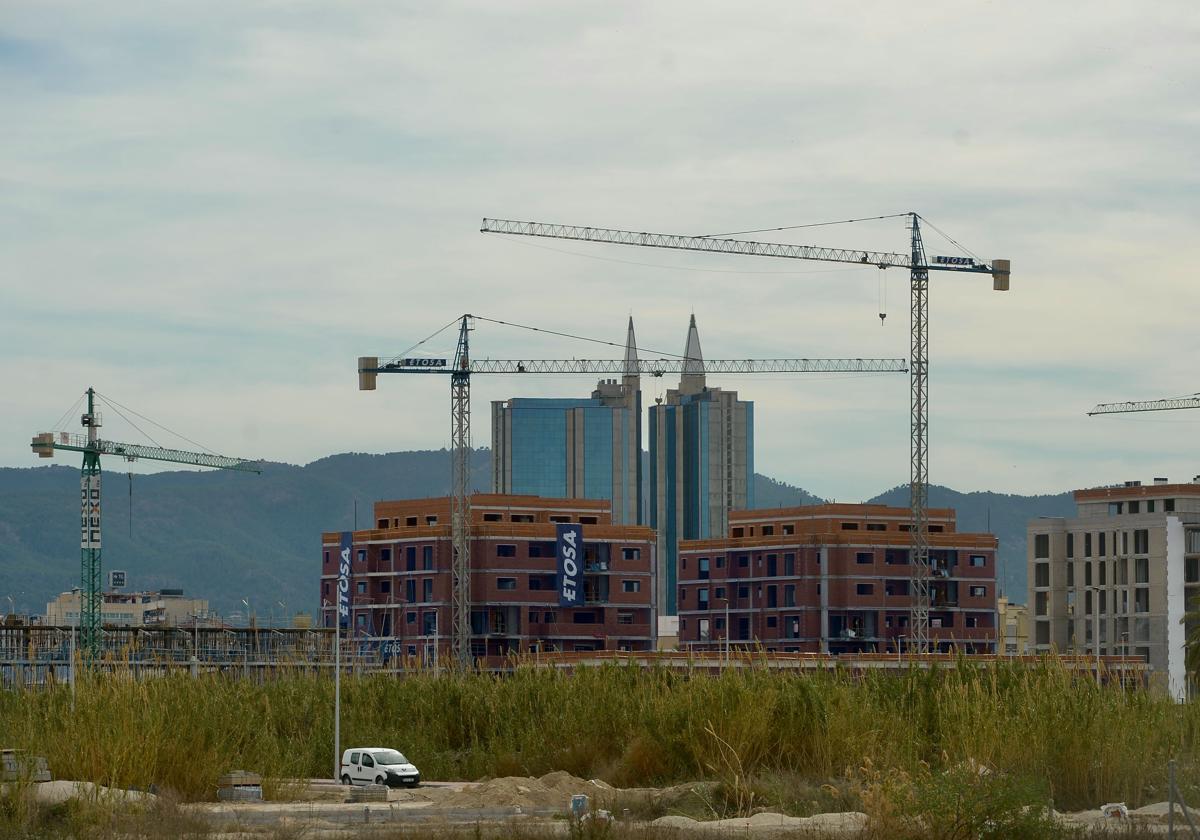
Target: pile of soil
[[554, 790]]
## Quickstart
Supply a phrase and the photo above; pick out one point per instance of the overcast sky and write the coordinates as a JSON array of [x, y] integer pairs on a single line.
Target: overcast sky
[[210, 210]]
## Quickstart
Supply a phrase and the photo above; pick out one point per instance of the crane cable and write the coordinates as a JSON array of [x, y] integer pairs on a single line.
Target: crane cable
[[798, 227], [121, 414], [573, 336], [952, 240], [429, 337], [114, 404], [74, 407]]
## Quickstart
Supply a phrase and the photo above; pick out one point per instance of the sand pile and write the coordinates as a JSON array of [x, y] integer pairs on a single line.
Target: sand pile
[[554, 790]]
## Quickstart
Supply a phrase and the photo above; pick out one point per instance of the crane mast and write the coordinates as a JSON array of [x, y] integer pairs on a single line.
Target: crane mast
[[460, 371], [918, 487], [92, 447], [460, 503], [90, 613], [919, 268]]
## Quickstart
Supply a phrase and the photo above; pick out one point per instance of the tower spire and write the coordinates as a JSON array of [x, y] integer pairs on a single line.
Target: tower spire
[[692, 381], [631, 356]]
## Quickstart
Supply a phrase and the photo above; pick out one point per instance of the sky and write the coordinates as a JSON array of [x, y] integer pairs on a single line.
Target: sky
[[210, 210]]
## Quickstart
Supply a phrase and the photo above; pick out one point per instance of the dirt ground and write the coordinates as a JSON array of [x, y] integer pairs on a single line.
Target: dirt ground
[[525, 806]]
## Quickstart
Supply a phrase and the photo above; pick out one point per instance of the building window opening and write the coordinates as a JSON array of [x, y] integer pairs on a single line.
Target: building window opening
[[1041, 546]]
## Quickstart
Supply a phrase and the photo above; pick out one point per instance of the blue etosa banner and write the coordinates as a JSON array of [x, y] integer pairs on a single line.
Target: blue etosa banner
[[343, 582], [570, 564]]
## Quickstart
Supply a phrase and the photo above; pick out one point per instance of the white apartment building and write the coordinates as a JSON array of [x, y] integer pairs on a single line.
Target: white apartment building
[[1117, 578], [167, 608]]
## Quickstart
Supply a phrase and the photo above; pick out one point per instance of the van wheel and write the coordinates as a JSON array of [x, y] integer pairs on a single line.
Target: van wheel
[[380, 780], [345, 780]]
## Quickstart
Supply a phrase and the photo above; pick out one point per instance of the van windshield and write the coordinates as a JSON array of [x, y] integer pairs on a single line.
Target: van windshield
[[390, 757]]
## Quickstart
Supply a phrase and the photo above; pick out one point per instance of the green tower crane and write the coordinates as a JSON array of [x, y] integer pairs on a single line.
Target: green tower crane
[[92, 447]]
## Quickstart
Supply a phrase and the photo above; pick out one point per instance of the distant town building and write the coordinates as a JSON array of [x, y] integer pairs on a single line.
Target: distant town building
[[165, 608], [401, 582], [1117, 577], [833, 578], [575, 448], [1013, 623], [701, 463]]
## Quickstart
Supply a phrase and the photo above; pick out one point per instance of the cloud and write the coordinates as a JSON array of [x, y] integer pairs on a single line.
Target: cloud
[[212, 210]]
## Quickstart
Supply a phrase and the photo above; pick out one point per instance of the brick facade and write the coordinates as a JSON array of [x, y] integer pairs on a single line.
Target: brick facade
[[833, 578], [400, 585]]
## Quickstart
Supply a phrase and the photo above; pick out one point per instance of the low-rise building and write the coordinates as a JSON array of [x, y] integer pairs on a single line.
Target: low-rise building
[[165, 608], [1116, 578], [1013, 624], [834, 578], [401, 578]]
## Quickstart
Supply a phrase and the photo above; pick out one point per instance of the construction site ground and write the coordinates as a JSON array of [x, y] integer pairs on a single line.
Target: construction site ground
[[526, 806]]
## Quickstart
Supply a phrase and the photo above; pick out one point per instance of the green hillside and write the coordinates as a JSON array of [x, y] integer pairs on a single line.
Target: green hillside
[[218, 535], [226, 536]]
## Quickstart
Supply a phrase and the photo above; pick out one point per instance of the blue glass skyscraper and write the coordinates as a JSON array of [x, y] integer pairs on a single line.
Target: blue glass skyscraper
[[575, 448], [701, 464]]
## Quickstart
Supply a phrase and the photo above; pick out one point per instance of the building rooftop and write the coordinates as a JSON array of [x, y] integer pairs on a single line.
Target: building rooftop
[[1137, 490]]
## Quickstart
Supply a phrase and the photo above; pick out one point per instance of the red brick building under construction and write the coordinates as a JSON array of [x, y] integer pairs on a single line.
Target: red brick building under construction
[[833, 579], [400, 583]]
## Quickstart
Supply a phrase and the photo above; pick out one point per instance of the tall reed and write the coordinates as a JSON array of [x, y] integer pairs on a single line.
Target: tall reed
[[632, 727]]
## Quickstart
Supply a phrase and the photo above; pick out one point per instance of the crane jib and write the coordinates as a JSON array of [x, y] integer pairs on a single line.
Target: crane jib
[[652, 367]]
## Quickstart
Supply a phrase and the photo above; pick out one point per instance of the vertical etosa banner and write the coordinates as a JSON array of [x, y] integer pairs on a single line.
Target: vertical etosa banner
[[570, 564], [343, 582]]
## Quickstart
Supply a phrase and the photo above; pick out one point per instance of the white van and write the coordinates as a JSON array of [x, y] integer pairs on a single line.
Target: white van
[[378, 766]]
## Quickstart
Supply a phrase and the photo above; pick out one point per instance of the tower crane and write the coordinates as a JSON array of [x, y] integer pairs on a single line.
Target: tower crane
[[460, 370], [92, 447], [919, 268], [1169, 404]]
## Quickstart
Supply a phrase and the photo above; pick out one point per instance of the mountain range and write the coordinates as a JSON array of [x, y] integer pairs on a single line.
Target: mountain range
[[228, 536]]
